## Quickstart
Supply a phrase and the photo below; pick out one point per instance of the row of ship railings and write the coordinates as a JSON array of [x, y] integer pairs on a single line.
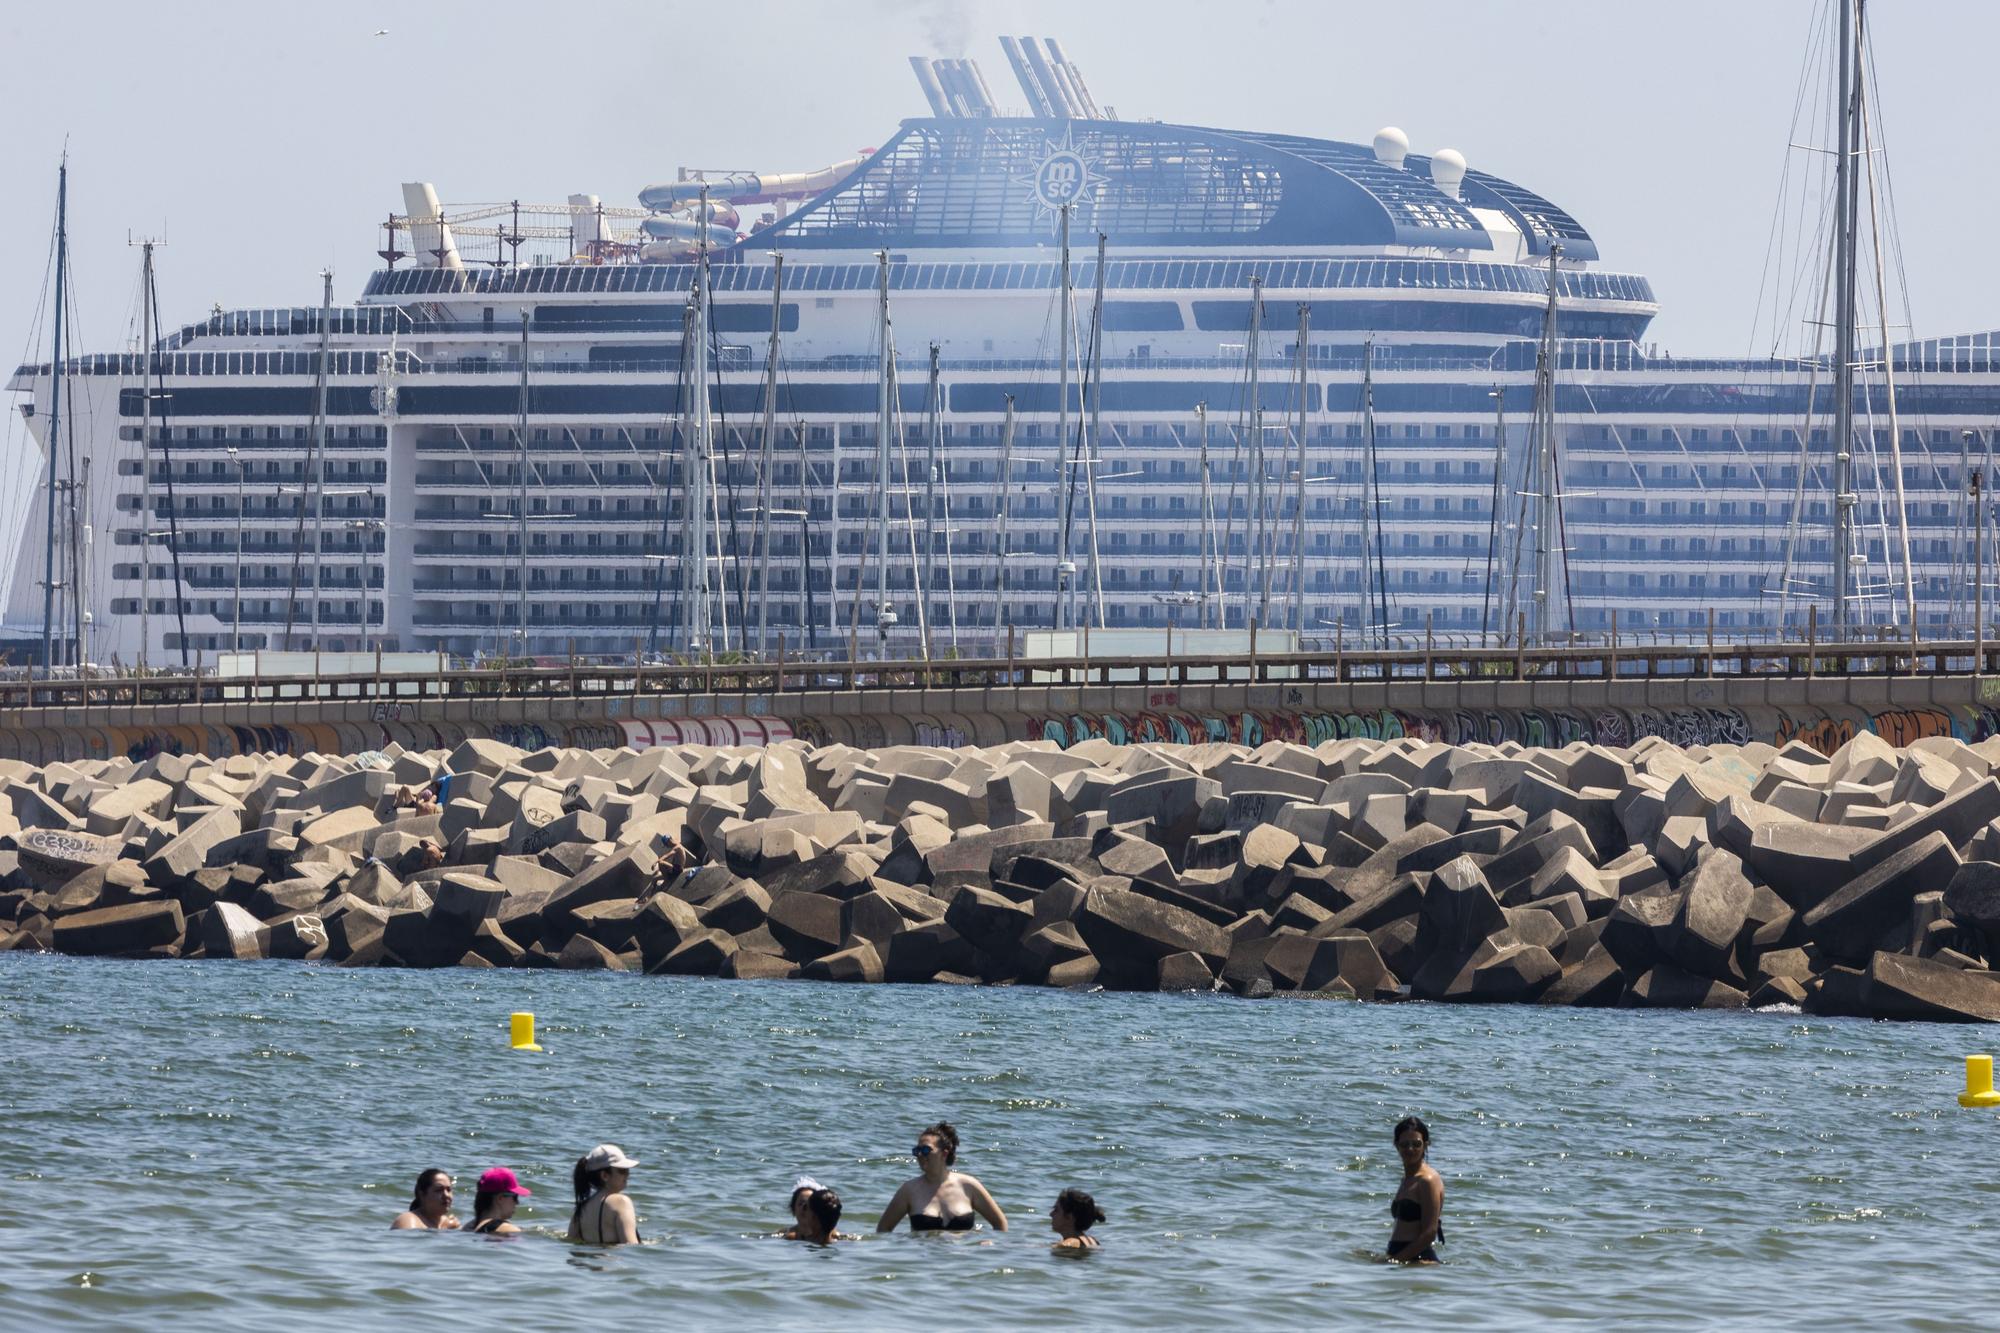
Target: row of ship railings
[[1444, 659]]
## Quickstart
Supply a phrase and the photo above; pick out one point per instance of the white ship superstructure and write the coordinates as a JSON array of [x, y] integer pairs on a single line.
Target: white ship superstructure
[[415, 512]]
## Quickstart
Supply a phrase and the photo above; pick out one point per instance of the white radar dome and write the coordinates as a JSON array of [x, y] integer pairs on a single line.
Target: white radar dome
[[1448, 170], [1391, 146]]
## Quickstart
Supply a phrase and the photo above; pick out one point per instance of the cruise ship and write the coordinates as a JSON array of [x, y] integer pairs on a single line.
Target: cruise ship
[[898, 405]]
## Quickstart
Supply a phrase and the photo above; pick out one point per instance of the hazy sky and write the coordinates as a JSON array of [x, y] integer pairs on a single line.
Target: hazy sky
[[268, 140]]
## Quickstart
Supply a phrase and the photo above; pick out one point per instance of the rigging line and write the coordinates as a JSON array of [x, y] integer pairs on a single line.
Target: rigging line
[[721, 447], [1774, 242], [167, 458], [663, 488], [1804, 434], [1888, 361]]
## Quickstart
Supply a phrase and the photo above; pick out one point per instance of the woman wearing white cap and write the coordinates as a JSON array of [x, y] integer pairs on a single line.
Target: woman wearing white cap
[[603, 1215]]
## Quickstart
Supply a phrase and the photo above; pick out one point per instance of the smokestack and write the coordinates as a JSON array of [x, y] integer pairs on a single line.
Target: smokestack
[[933, 93], [1075, 76], [1051, 90], [1060, 73], [986, 103], [954, 86], [588, 227], [1038, 104], [430, 237]]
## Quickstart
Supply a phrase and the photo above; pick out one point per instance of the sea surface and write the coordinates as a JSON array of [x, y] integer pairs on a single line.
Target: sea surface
[[223, 1145]]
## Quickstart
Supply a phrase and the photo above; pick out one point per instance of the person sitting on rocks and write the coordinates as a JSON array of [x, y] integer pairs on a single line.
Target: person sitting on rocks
[[940, 1199], [1071, 1218], [500, 1193], [815, 1213], [430, 1210], [1419, 1203], [430, 854], [419, 801], [604, 1215]]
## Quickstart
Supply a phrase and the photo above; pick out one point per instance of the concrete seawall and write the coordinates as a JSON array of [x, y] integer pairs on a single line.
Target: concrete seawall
[[1824, 712]]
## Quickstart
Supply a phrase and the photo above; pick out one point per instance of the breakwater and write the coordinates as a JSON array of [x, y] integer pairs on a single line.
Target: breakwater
[[1866, 882]]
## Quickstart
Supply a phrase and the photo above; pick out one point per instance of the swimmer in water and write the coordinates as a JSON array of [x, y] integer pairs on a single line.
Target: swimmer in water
[[1071, 1218], [940, 1199], [604, 1215], [500, 1193], [815, 1213], [430, 1210], [1419, 1203]]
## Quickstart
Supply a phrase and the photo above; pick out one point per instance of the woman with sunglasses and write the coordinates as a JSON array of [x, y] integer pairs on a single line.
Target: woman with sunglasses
[[604, 1214], [430, 1209], [940, 1199], [1419, 1203]]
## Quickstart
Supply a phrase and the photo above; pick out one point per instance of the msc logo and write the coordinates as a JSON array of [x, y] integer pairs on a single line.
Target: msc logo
[[1059, 179]]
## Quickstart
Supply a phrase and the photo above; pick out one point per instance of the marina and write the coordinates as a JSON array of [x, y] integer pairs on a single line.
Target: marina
[[1032, 371]]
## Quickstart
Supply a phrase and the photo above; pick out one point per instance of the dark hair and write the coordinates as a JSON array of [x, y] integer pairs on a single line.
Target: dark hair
[[1082, 1209], [482, 1203], [585, 1181], [424, 1182], [1411, 1122], [825, 1205], [945, 1134]]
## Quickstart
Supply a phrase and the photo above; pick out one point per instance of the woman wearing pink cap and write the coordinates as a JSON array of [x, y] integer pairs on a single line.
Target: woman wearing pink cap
[[500, 1193]]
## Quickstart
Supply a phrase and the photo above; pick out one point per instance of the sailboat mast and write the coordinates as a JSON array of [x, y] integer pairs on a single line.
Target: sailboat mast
[[1493, 515], [694, 555], [1298, 574], [146, 450], [1548, 524], [764, 464], [315, 483], [1091, 454], [1000, 516], [932, 409], [1843, 339], [1372, 502], [1211, 586], [54, 430], [521, 490], [1065, 567], [884, 423], [1253, 549]]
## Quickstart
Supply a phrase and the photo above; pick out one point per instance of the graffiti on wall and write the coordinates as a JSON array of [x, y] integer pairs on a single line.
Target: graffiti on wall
[[1549, 727]]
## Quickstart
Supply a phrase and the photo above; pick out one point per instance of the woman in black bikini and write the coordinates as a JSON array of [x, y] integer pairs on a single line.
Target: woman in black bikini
[[940, 1199], [1419, 1203], [604, 1215], [500, 1192]]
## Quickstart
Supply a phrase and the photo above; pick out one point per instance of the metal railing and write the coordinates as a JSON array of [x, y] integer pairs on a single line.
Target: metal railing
[[781, 672]]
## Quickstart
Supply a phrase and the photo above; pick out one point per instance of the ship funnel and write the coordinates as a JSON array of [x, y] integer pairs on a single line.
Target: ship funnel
[[933, 90], [1031, 88], [1448, 170], [589, 230], [1391, 146], [430, 236]]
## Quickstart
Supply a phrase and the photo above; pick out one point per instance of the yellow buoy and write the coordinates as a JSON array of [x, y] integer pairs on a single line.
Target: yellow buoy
[[1979, 1083], [524, 1040]]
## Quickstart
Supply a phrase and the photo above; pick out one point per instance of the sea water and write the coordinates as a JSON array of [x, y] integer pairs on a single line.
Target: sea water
[[223, 1145]]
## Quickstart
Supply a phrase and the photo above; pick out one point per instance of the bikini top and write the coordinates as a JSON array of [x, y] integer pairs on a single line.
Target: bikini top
[[1409, 1210], [599, 1200], [932, 1222], [488, 1227]]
